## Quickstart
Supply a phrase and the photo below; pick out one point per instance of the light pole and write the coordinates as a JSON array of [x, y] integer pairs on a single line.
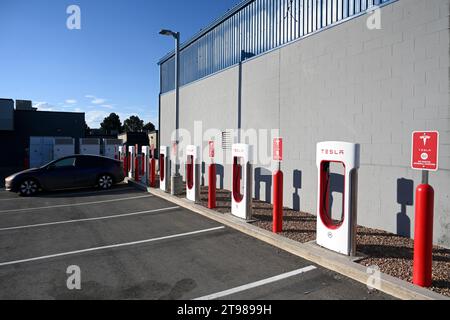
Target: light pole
[[176, 179]]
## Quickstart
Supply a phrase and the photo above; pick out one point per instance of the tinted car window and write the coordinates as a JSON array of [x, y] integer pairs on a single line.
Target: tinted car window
[[69, 162]]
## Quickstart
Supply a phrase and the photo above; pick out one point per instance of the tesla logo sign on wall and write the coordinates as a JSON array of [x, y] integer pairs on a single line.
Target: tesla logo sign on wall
[[425, 150], [278, 149]]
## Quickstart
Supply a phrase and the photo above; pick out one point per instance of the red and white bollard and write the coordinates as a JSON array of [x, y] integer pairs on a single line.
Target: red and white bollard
[[278, 201], [423, 239]]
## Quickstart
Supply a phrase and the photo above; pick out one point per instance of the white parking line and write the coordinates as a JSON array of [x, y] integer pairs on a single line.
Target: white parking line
[[3, 264], [62, 195], [257, 284], [74, 204], [88, 219]]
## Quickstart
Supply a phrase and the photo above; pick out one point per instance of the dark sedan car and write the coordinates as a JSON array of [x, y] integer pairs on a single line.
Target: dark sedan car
[[67, 173]]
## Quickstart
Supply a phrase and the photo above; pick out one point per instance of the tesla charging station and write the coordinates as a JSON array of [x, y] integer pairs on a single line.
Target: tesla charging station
[[123, 157], [164, 168], [145, 165], [242, 181], [193, 163], [338, 236], [132, 166]]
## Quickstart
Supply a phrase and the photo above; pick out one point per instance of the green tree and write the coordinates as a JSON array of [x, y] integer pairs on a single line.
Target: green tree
[[149, 127], [133, 124], [111, 123]]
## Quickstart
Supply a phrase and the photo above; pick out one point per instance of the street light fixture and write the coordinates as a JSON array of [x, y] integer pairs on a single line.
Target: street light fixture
[[176, 179]]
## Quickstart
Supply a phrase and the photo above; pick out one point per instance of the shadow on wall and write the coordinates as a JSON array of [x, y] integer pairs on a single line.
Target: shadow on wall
[[220, 171], [405, 198], [337, 185], [297, 184], [263, 175], [203, 174]]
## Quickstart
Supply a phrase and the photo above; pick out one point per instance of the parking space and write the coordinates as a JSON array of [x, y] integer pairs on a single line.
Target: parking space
[[131, 245]]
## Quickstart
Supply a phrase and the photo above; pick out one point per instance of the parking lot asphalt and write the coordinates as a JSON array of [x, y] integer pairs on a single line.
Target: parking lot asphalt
[[131, 245]]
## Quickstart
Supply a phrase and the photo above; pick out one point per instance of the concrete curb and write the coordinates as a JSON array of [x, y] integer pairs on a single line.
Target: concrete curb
[[309, 251]]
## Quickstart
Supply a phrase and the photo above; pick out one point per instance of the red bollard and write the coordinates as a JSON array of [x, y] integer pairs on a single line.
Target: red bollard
[[125, 166], [212, 177], [153, 173], [423, 239], [278, 202], [136, 168]]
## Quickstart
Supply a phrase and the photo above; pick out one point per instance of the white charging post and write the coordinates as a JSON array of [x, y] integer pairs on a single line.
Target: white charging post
[[193, 163], [164, 170], [132, 157], [242, 182], [338, 236], [146, 165]]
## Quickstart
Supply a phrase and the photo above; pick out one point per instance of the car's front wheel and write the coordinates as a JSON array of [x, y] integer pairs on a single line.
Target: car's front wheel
[[105, 182], [28, 188]]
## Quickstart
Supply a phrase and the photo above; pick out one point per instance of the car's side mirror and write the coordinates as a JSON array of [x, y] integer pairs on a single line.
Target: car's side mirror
[[51, 167]]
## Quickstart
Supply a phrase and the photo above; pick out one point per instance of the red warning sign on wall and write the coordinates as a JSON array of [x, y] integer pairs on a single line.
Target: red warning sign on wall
[[425, 150], [212, 149], [174, 148], [278, 149]]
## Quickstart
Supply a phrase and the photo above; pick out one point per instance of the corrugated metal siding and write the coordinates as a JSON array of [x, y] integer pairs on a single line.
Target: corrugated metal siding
[[257, 27]]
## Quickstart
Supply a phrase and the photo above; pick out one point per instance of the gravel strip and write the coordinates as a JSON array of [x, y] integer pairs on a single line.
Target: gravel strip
[[392, 254]]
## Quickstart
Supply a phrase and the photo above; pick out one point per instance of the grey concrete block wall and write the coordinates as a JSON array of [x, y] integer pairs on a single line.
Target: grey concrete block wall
[[373, 87]]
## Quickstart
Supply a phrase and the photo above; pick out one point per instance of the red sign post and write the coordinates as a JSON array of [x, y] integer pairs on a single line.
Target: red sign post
[[425, 156], [212, 181], [278, 187]]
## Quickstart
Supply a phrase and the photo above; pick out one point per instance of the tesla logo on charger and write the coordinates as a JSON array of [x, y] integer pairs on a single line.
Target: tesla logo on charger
[[333, 152]]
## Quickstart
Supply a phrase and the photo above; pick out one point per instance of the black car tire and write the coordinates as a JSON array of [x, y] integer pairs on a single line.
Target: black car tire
[[105, 181], [28, 188]]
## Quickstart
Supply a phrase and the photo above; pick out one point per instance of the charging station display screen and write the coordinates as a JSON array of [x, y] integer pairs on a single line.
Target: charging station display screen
[[190, 172], [238, 192], [332, 204]]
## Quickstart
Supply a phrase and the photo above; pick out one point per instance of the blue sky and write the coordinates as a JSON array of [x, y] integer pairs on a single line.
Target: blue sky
[[110, 65]]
